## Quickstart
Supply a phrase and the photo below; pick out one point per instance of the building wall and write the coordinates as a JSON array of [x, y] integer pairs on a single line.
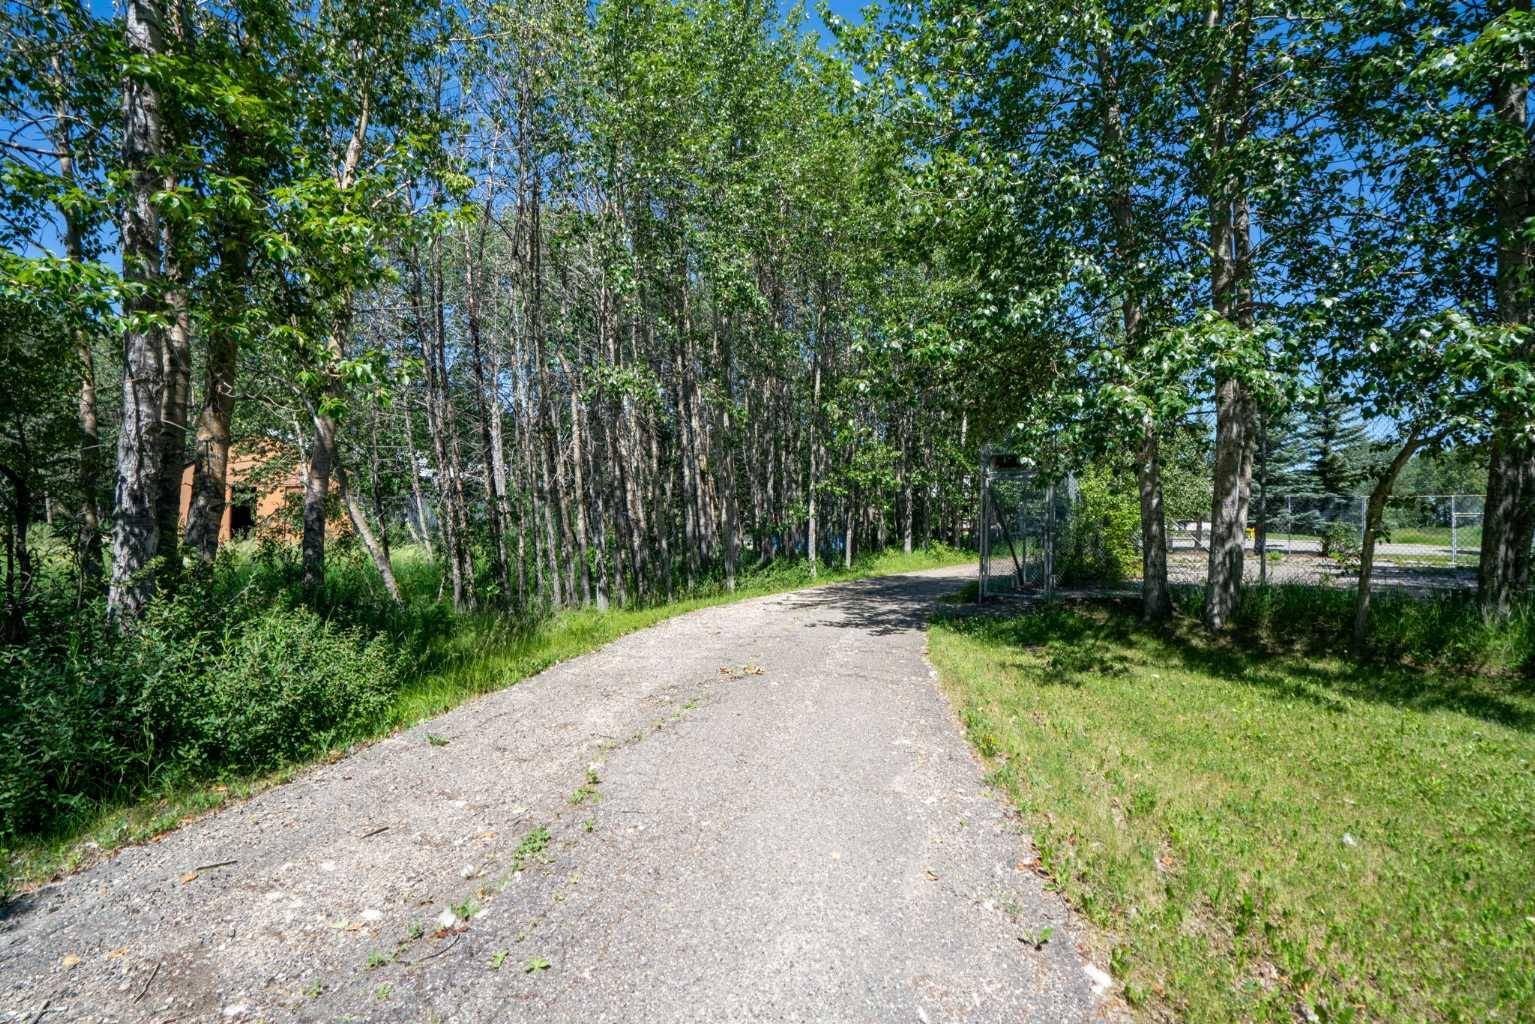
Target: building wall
[[269, 501]]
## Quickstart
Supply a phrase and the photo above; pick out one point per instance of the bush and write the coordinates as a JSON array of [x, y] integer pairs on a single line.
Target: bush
[[232, 674], [287, 684], [1342, 544], [62, 736], [1445, 631], [1101, 539], [240, 672]]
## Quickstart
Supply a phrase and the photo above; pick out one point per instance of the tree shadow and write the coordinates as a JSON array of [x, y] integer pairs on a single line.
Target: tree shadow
[[1327, 683], [882, 606], [1069, 646], [1102, 633]]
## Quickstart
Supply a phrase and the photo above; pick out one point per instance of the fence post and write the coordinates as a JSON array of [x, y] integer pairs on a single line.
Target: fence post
[[1454, 540], [1049, 580], [1289, 528], [1261, 538], [982, 533]]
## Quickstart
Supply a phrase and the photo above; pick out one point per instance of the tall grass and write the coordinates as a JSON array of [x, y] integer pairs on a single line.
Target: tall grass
[[1446, 631]]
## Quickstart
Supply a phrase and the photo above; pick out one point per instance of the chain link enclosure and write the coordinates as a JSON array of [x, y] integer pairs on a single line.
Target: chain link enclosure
[[1024, 517]]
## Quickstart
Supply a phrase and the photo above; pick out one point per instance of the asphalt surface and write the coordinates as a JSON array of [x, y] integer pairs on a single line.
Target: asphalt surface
[[763, 811]]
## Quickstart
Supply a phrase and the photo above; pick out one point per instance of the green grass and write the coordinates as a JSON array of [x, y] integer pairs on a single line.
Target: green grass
[[1467, 538], [482, 654], [1258, 833]]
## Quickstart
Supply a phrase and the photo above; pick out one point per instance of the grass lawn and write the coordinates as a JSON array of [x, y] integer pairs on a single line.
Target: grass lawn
[[1264, 834], [1468, 538], [483, 654]]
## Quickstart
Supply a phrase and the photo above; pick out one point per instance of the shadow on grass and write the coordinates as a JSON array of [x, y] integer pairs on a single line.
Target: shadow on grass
[[1079, 640]]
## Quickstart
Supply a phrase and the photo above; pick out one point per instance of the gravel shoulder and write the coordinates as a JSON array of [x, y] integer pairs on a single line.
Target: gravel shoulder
[[762, 811]]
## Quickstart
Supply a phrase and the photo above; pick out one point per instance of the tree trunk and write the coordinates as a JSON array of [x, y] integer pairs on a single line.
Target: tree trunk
[[1228, 515], [88, 478], [366, 535], [1226, 106], [322, 458], [486, 397], [1508, 521], [847, 534], [498, 468], [215, 419], [210, 465], [135, 531], [1233, 427], [583, 570], [454, 519], [1375, 509], [19, 575], [907, 486], [815, 432], [1506, 526], [322, 455], [176, 402], [732, 524], [1156, 604]]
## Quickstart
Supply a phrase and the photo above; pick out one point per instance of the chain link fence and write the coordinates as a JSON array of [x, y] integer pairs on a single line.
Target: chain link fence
[[1023, 520], [1428, 542]]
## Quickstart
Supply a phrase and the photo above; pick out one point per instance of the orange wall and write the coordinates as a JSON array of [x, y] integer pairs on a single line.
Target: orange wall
[[268, 502]]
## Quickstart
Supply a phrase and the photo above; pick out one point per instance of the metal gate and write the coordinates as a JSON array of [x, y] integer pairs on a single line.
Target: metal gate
[[1023, 518]]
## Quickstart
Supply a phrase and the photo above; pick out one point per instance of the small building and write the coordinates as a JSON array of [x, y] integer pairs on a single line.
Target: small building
[[256, 489]]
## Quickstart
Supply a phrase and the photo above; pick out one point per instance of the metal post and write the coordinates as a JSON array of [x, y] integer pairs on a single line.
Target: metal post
[[983, 529], [1289, 527], [1261, 540], [1049, 541], [1454, 540]]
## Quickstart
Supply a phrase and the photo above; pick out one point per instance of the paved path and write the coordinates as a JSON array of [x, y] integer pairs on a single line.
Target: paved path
[[757, 812]]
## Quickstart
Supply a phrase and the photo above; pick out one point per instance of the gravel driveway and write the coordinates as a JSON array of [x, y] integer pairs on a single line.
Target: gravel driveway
[[762, 811]]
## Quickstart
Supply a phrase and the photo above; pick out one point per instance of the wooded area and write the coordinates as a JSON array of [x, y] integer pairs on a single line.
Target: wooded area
[[592, 304], [596, 304]]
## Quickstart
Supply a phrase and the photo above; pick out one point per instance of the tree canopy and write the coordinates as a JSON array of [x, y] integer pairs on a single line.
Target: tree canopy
[[598, 302]]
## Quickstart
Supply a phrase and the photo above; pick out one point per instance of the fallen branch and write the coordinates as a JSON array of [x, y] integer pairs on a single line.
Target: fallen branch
[[438, 952], [370, 835], [152, 976], [220, 864]]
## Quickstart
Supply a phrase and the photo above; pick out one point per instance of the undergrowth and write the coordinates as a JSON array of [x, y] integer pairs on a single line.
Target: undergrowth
[[1445, 630]]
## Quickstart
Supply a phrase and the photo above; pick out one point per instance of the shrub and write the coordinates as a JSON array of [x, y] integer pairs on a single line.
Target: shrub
[[1444, 631], [1102, 534], [61, 735], [230, 674], [1342, 544], [287, 684]]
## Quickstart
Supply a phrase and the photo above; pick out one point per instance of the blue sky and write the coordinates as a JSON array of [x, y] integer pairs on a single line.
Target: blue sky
[[849, 9], [846, 8]]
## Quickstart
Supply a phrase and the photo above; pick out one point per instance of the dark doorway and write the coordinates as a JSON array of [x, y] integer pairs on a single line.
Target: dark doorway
[[242, 512]]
